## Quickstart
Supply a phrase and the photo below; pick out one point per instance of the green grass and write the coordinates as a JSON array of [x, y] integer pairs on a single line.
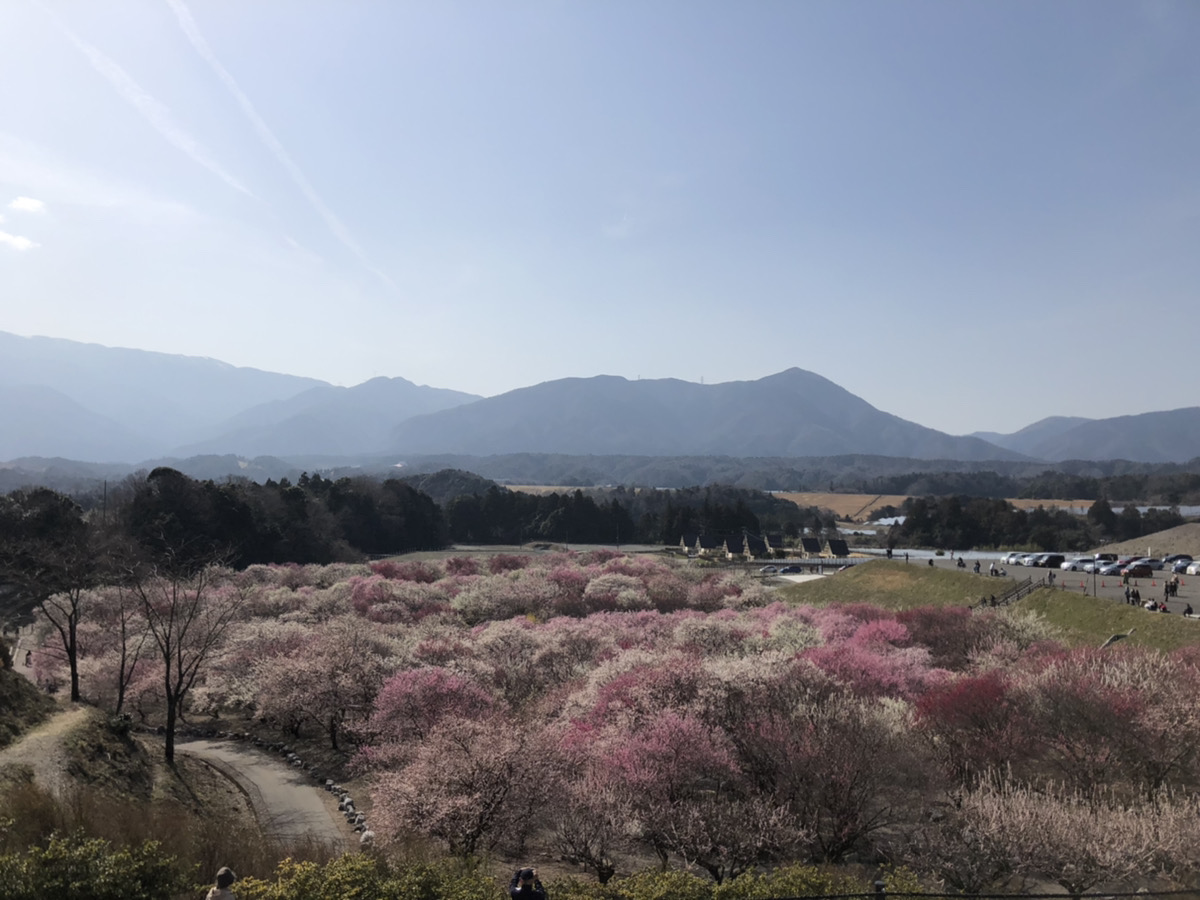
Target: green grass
[[897, 585], [1081, 620], [1087, 621]]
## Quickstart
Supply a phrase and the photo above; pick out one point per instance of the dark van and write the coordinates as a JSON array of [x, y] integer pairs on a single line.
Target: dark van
[[1052, 560]]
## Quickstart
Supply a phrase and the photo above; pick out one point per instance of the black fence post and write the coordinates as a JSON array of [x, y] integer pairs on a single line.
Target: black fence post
[[880, 890]]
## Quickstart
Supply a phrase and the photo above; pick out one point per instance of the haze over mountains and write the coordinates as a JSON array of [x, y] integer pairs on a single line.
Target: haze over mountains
[[61, 398]]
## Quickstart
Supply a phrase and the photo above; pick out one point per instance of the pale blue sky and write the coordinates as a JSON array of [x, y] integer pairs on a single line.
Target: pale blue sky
[[970, 214]]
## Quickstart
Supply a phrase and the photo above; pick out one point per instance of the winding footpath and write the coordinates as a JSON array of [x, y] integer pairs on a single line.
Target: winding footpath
[[40, 750], [287, 805]]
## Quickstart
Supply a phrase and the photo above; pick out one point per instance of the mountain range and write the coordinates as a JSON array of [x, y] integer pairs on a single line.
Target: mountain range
[[61, 398]]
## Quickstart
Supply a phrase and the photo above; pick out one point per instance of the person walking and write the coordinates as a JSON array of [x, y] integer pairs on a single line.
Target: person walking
[[221, 891]]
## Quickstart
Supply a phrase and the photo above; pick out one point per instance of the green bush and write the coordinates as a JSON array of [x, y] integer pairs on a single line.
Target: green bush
[[78, 868], [366, 877], [657, 885], [787, 881], [583, 889]]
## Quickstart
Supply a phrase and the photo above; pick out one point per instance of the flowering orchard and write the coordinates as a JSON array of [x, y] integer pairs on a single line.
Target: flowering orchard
[[612, 709]]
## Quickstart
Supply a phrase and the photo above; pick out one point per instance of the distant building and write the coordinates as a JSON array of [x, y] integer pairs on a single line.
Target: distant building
[[756, 547], [838, 548]]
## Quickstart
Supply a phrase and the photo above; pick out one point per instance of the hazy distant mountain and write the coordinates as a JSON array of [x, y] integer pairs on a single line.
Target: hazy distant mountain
[[164, 398], [793, 413], [1154, 437], [62, 398], [328, 420], [40, 421], [1030, 439]]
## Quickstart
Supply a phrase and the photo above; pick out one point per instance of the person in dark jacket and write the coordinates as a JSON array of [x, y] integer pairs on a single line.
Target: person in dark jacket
[[526, 886]]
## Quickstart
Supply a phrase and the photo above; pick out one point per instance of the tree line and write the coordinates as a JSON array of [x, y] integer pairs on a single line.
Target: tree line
[[965, 523]]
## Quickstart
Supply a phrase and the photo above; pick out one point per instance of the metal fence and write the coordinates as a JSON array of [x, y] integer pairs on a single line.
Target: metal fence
[[880, 893]]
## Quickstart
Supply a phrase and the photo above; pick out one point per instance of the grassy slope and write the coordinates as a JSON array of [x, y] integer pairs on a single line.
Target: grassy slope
[[1082, 621], [21, 706], [1086, 621], [896, 585], [1184, 539]]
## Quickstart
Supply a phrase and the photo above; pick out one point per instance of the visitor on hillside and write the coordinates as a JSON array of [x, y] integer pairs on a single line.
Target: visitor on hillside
[[976, 567], [221, 891], [525, 885], [1187, 610], [28, 658]]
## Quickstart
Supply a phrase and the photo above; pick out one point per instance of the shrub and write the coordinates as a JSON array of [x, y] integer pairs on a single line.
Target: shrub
[[670, 885], [787, 881], [78, 868]]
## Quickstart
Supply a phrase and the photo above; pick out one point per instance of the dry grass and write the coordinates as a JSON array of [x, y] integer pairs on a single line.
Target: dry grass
[[894, 584], [847, 507], [1184, 539]]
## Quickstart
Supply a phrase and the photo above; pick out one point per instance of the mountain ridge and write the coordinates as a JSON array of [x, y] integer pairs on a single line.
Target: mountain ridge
[[62, 398]]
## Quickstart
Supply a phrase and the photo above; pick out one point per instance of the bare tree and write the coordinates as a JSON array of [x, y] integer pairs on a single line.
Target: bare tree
[[1076, 840], [50, 553], [188, 612]]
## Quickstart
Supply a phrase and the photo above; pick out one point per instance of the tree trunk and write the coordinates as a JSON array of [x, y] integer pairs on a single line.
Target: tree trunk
[[170, 736], [73, 655]]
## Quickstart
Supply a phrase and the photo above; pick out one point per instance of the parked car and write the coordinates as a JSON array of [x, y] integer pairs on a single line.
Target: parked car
[[1012, 559], [1193, 569], [1177, 557], [791, 570], [1156, 564], [1029, 559], [768, 570], [1180, 567], [1051, 560], [1106, 557], [1078, 564], [1138, 569], [1095, 565], [1112, 568]]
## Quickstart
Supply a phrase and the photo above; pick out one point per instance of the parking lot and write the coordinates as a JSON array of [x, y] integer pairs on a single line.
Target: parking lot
[[1106, 587]]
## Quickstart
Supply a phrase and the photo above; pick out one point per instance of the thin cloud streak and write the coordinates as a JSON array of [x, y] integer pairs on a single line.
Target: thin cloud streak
[[17, 242], [156, 113], [192, 31], [27, 204]]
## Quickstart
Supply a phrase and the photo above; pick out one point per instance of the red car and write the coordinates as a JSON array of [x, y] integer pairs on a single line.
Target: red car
[[1138, 570]]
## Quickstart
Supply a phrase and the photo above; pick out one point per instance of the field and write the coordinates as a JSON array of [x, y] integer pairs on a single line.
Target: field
[[847, 507]]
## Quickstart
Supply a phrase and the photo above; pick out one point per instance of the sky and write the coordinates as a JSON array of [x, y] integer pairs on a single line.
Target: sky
[[971, 215]]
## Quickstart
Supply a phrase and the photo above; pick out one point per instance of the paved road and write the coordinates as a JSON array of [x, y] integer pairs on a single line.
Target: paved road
[[288, 806]]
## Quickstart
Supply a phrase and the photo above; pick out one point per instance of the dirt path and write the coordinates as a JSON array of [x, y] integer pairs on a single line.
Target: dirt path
[[41, 749], [287, 804]]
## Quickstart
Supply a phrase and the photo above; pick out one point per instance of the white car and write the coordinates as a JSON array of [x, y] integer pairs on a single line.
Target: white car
[[1194, 569], [1012, 559], [1079, 564]]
